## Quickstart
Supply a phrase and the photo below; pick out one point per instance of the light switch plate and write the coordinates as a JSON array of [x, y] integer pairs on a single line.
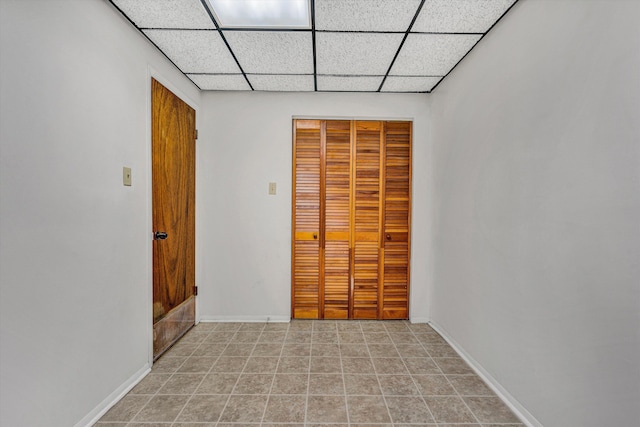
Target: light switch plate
[[126, 176], [272, 188]]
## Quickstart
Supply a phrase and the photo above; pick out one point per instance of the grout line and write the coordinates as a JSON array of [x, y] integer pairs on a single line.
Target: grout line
[[273, 380], [205, 375], [384, 399]]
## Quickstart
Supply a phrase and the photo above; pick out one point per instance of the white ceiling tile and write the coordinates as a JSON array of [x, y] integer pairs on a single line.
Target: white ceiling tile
[[220, 82], [409, 84], [432, 54], [355, 53], [285, 83], [365, 15], [349, 83], [166, 13], [460, 16], [195, 51], [275, 52]]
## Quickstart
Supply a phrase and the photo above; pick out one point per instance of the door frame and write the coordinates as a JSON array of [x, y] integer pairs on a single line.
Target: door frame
[[153, 73]]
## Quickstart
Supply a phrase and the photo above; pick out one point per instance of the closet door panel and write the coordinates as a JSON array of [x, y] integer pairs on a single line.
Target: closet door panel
[[306, 268], [396, 220], [337, 190], [366, 230]]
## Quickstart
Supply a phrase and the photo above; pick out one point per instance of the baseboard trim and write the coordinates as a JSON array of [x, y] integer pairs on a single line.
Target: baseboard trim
[[520, 411], [92, 417], [247, 319]]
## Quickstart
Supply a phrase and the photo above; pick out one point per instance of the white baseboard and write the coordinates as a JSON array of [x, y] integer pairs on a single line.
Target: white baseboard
[[92, 417], [520, 411], [248, 319]]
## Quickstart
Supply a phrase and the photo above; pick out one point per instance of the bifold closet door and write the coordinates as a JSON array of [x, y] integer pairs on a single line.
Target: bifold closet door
[[306, 269], [396, 221], [336, 184], [351, 221], [366, 230]]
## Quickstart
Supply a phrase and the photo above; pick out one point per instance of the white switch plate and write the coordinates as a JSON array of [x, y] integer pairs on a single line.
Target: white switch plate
[[272, 188], [126, 176]]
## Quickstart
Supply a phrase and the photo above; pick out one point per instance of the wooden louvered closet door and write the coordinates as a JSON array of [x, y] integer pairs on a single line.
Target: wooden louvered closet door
[[351, 221]]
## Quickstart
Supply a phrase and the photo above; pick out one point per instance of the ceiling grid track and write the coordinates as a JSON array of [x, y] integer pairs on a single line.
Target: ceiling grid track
[[406, 34], [399, 46]]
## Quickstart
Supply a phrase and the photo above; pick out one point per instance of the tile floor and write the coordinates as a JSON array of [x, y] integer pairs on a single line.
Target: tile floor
[[310, 373]]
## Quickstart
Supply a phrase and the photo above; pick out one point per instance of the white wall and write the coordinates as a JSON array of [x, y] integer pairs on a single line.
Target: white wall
[[537, 209], [244, 246], [75, 247]]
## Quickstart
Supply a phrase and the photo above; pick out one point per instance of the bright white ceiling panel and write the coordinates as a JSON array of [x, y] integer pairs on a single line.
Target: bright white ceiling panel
[[349, 83], [284, 83], [220, 82], [166, 13], [365, 15], [460, 16], [409, 84], [195, 51], [432, 54], [355, 53], [262, 13], [275, 52]]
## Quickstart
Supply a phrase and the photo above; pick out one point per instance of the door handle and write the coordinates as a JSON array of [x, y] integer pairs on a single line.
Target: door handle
[[315, 235], [160, 235], [388, 236]]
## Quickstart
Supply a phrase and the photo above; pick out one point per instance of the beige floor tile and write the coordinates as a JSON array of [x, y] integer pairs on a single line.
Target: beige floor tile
[[325, 365], [408, 410], [434, 385], [470, 385], [195, 365], [362, 385], [290, 384], [162, 408], [182, 384], [421, 365], [331, 409], [267, 350], [126, 408], [285, 409], [358, 365], [449, 409], [253, 384], [325, 350], [398, 385], [389, 365], [203, 408], [453, 366], [229, 364], [383, 350], [218, 383], [292, 365], [244, 409], [326, 384], [490, 410], [150, 384], [367, 409], [354, 350], [261, 365]]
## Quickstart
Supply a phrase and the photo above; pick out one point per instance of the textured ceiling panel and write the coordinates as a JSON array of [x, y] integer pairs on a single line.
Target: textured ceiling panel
[[459, 16], [409, 84], [432, 54], [356, 53], [365, 15], [220, 82], [349, 83], [166, 13], [276, 52], [291, 83], [195, 51]]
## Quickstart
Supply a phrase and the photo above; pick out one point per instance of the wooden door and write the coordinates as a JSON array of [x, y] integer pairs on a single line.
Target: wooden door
[[306, 220], [366, 230], [336, 190], [351, 219], [173, 190], [394, 301]]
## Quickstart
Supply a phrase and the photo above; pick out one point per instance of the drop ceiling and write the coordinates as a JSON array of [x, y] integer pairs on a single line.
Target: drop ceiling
[[352, 45]]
